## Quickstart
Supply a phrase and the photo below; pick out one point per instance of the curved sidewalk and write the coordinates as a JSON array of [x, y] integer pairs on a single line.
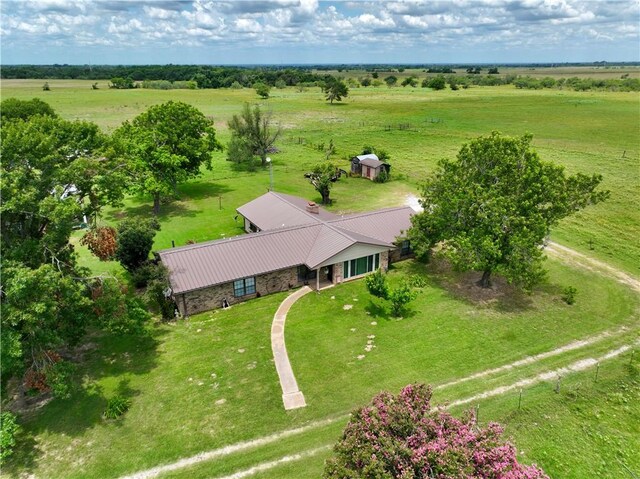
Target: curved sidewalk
[[292, 397]]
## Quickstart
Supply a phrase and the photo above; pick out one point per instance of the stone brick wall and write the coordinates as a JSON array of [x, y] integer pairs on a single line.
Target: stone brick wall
[[211, 298], [397, 256]]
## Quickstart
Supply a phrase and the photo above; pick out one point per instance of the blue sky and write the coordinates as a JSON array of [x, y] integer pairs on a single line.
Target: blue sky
[[312, 31]]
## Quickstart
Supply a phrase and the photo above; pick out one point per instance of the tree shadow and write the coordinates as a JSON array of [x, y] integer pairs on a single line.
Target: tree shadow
[[463, 286], [198, 190], [175, 208], [117, 357], [377, 311]]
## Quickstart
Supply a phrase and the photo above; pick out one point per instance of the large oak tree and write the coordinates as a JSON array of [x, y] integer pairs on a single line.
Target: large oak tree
[[164, 146], [493, 207]]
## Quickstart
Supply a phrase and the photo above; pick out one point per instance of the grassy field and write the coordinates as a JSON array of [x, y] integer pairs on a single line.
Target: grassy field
[[210, 382], [590, 132], [207, 383]]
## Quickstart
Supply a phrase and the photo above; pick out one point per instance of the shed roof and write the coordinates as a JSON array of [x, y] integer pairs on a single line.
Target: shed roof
[[371, 162], [370, 156]]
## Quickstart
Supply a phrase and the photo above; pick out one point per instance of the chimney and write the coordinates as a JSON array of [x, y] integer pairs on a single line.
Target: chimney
[[313, 208]]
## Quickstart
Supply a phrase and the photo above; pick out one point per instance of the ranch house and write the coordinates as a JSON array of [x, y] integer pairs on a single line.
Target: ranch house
[[291, 242]]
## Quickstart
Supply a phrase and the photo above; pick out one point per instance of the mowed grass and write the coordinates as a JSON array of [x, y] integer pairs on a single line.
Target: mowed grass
[[589, 132], [176, 376], [209, 382]]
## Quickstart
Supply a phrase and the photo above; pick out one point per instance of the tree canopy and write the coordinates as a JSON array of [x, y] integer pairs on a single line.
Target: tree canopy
[[14, 109], [401, 437], [493, 207], [52, 175], [335, 89], [164, 146], [252, 135], [322, 178]]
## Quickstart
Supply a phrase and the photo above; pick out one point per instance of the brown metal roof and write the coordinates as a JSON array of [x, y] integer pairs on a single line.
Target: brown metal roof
[[384, 225], [202, 265], [371, 162], [277, 210], [215, 262]]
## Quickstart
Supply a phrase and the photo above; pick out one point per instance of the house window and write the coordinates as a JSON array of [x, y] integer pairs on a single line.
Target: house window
[[305, 274], [243, 287], [359, 266], [405, 249]]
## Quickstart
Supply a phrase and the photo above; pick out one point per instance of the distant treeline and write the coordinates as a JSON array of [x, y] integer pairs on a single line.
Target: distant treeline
[[579, 84], [204, 76]]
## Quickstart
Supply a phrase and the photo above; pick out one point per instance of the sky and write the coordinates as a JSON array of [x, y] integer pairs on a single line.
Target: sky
[[316, 32]]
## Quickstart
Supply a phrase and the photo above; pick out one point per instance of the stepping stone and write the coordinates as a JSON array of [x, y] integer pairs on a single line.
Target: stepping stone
[[347, 306], [373, 323], [220, 402], [361, 356], [241, 350]]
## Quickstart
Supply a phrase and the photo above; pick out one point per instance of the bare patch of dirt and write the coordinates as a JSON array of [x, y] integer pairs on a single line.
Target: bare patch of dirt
[[579, 260]]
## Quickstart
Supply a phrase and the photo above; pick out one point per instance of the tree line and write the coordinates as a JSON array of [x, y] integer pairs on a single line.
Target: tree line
[[204, 76]]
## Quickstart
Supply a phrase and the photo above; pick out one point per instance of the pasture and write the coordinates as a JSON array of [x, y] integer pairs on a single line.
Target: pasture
[[590, 132], [209, 382]]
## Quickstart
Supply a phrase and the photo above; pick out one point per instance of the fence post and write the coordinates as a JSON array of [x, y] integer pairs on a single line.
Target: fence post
[[557, 388], [520, 399], [595, 380]]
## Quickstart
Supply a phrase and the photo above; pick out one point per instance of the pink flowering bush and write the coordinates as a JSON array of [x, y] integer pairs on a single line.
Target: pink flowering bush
[[402, 437]]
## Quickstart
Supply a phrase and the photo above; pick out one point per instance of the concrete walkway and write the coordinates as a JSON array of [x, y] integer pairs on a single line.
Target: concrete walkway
[[292, 397]]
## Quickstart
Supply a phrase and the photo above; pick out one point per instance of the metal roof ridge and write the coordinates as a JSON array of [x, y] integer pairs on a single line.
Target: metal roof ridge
[[313, 243], [369, 213], [239, 237], [310, 215], [346, 231]]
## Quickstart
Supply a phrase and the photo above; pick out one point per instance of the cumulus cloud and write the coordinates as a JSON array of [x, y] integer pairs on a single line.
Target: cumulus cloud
[[518, 28]]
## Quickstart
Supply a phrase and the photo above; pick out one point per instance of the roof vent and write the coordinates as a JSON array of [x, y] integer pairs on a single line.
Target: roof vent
[[313, 208]]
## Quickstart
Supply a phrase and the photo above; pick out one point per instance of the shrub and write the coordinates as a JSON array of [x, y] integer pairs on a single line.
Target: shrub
[[437, 83], [116, 407], [102, 242], [382, 177], [143, 275], [135, 240], [60, 379], [157, 293], [400, 297], [376, 284], [262, 90], [8, 430], [117, 312], [569, 295], [402, 437]]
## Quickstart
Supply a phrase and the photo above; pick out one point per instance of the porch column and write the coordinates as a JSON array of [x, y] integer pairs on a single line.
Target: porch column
[[318, 279]]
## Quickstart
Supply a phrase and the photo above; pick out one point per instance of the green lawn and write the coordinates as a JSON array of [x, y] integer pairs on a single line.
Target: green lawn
[[591, 132], [209, 382]]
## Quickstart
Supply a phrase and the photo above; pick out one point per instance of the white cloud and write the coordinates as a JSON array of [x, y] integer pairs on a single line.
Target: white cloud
[[247, 25], [398, 28]]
